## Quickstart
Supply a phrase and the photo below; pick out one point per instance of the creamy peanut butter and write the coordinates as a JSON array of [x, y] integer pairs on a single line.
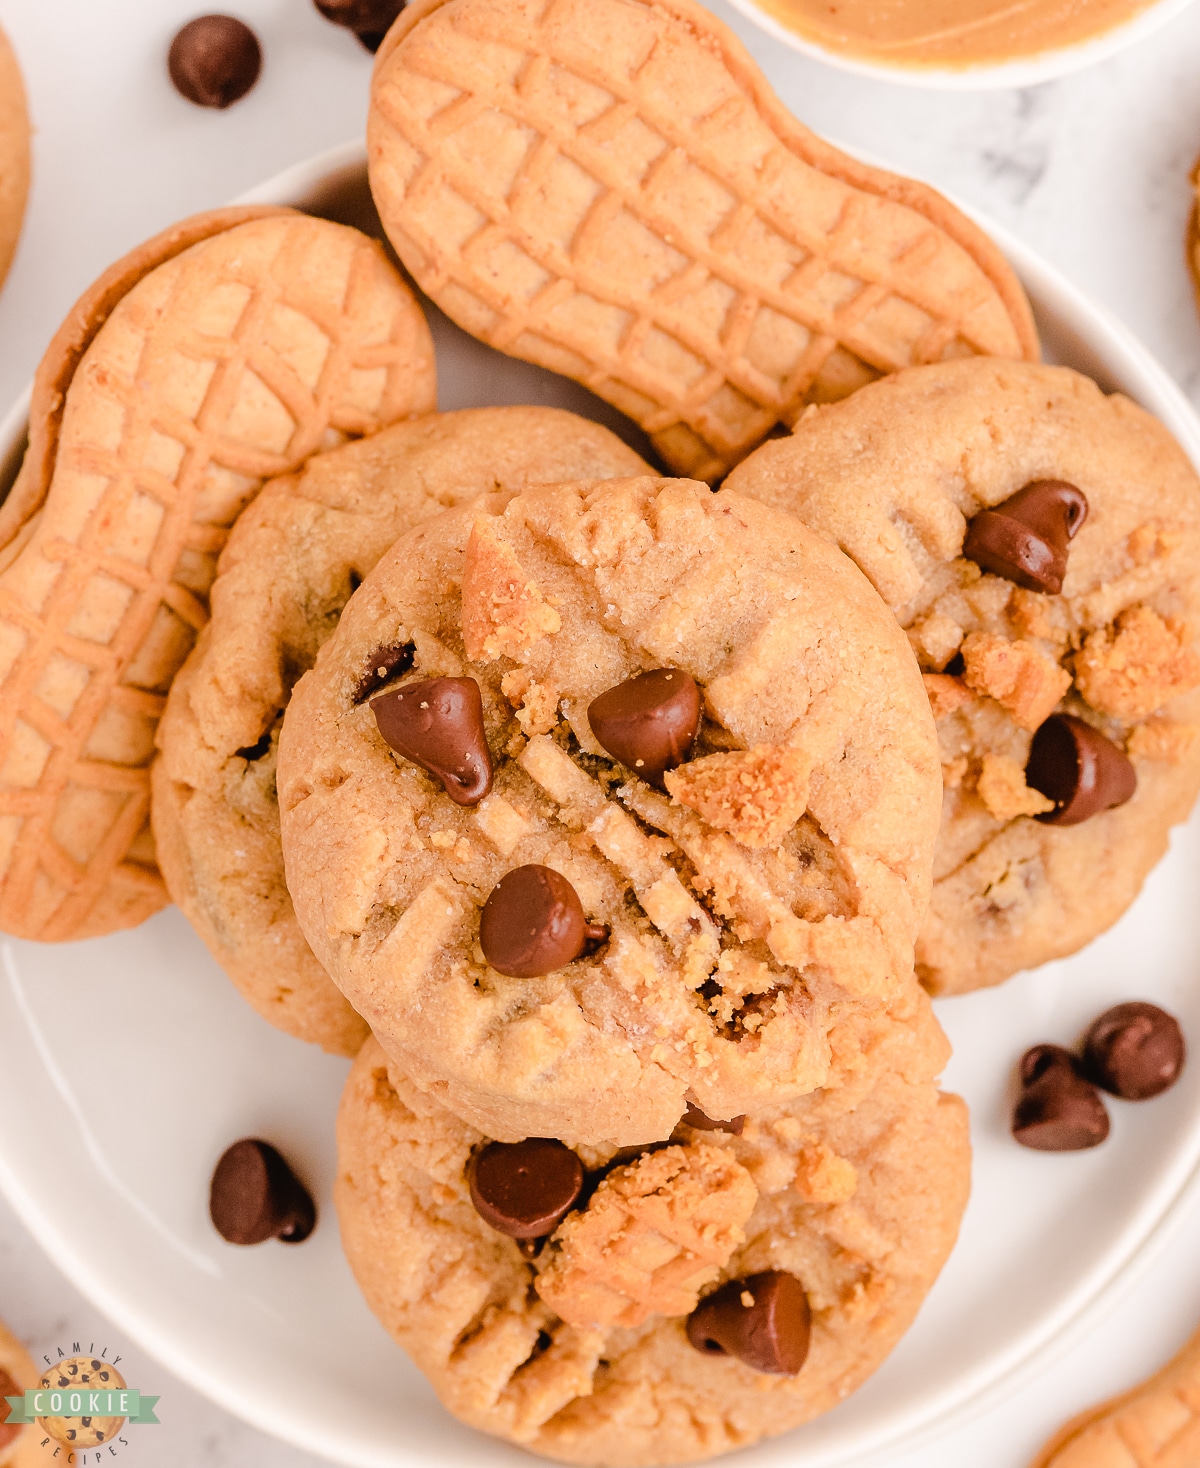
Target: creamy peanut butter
[[950, 32]]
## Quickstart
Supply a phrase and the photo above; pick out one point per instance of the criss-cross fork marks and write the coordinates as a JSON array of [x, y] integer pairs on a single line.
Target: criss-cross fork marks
[[657, 258], [100, 608]]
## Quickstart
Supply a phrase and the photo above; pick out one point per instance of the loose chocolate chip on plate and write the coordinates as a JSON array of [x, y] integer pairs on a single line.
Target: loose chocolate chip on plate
[[649, 722], [524, 1189], [8, 1388], [214, 60], [533, 923], [1079, 769], [763, 1320], [694, 1117], [438, 724], [1059, 1110], [1134, 1050], [370, 20], [1025, 538], [256, 1196]]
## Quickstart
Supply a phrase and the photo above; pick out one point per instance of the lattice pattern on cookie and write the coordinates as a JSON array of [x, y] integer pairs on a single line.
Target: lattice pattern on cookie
[[591, 188], [233, 362]]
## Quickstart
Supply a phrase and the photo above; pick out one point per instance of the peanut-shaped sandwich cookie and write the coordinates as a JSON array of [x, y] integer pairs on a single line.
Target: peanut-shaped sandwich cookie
[[223, 352], [14, 153], [610, 188], [607, 793]]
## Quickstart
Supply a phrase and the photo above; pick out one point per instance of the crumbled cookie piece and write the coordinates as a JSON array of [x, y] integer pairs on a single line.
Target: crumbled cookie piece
[[945, 693], [1137, 668], [654, 1233], [936, 639], [757, 795], [824, 1177], [1002, 788], [1150, 541], [502, 823], [536, 703], [1033, 614], [1163, 740], [1020, 678], [503, 611]]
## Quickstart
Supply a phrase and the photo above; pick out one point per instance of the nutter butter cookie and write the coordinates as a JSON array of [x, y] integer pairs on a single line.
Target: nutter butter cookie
[[693, 1298], [698, 933], [1040, 543], [290, 565]]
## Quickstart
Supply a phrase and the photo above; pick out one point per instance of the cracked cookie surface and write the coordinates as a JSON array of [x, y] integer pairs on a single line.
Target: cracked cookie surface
[[893, 476], [730, 966]]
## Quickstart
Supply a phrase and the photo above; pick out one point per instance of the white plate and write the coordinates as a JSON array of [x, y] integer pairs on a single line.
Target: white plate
[[1025, 71], [132, 1063]]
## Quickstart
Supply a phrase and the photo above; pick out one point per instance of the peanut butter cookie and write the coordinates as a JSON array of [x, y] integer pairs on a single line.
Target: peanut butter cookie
[[610, 795], [290, 565], [633, 1309], [1040, 543], [19, 1445], [14, 153]]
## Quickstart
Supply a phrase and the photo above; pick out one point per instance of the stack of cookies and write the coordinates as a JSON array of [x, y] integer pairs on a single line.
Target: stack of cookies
[[597, 813]]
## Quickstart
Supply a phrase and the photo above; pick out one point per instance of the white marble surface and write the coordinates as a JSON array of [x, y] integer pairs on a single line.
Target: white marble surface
[[1091, 170]]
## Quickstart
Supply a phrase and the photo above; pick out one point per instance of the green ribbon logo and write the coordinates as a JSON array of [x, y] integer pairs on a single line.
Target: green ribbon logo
[[68, 1402]]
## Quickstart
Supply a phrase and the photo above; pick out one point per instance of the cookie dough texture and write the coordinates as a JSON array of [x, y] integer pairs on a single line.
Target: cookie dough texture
[[19, 1450], [609, 188], [892, 476], [857, 1191], [730, 965], [181, 381], [1156, 1425], [14, 153], [289, 567]]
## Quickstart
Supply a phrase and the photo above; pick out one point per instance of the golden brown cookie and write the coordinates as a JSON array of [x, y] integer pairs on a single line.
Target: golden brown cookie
[[609, 188], [893, 476], [14, 153], [214, 367], [729, 961], [289, 566], [1156, 1425], [1193, 235], [581, 1353], [18, 1445]]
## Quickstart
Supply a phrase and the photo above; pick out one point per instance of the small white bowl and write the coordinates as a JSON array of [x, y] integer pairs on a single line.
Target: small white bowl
[[1026, 71]]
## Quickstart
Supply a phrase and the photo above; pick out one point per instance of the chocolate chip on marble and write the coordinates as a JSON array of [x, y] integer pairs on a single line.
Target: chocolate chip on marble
[[694, 1117], [256, 1196], [8, 1388], [438, 724], [1079, 769], [1134, 1050], [1059, 1110], [214, 60], [764, 1320], [1025, 538], [524, 1189], [533, 923], [370, 20], [649, 722], [385, 663]]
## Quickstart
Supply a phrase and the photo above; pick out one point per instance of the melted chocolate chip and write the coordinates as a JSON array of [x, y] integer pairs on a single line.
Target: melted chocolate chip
[[370, 20], [694, 1117], [214, 60], [764, 1320], [1025, 538], [533, 923], [8, 1388], [256, 1196], [649, 722], [524, 1189], [1059, 1110], [1134, 1050], [386, 663], [1077, 768], [438, 724]]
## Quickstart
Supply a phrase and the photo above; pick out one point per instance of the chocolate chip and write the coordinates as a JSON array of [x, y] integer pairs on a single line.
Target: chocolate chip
[[763, 1320], [8, 1388], [694, 1117], [1025, 537], [1059, 1110], [1077, 768], [533, 923], [370, 20], [524, 1189], [261, 746], [649, 722], [214, 60], [438, 724], [1134, 1050], [256, 1196], [385, 663]]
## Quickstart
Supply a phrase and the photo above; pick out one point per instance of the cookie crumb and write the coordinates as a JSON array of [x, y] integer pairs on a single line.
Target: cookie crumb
[[757, 795], [1002, 788], [945, 693], [1020, 678], [824, 1177], [1144, 663], [1161, 739], [936, 639], [503, 611]]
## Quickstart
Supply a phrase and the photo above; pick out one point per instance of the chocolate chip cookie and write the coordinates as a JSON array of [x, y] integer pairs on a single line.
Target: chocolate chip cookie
[[663, 1306], [290, 565], [1040, 543], [608, 797]]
